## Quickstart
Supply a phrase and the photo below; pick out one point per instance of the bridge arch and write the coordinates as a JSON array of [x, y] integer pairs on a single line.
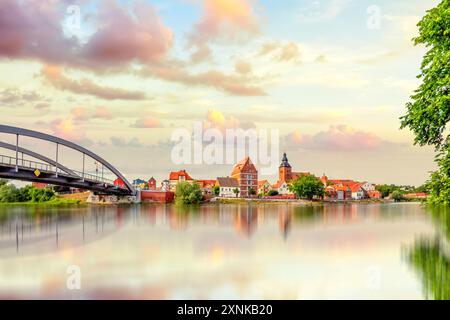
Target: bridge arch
[[58, 141]]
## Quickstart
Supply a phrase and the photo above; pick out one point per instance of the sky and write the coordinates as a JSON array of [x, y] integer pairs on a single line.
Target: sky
[[332, 77]]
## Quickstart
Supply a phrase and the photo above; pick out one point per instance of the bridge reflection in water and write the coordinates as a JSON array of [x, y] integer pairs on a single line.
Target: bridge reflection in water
[[278, 250]]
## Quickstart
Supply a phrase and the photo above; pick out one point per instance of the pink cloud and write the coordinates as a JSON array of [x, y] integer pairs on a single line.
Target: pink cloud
[[32, 29], [80, 114], [148, 122], [232, 84], [102, 113], [243, 67], [125, 39], [223, 19], [125, 36], [216, 119], [282, 52], [339, 137], [55, 77], [66, 129]]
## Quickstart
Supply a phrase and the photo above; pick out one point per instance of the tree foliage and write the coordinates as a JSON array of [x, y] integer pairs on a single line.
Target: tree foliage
[[187, 193], [307, 187], [428, 113], [272, 193], [10, 193]]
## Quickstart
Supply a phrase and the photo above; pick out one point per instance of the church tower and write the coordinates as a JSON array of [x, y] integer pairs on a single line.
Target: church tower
[[285, 169]]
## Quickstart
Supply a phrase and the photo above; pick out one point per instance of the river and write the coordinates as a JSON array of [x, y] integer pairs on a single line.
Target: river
[[225, 251]]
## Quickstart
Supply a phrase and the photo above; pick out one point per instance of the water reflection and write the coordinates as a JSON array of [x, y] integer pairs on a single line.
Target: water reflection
[[430, 257], [22, 227], [223, 251]]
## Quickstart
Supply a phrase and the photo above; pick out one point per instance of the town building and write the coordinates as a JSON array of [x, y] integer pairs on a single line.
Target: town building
[[178, 176], [206, 186], [358, 192], [165, 185], [228, 187], [119, 182], [373, 194], [282, 187], [285, 172], [247, 176], [139, 184], [152, 184], [264, 187]]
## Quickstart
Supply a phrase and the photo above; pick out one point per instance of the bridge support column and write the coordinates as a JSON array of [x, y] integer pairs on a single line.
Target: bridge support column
[[17, 153], [56, 168]]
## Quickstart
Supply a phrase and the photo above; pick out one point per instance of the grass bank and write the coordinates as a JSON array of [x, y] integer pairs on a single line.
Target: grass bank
[[53, 202]]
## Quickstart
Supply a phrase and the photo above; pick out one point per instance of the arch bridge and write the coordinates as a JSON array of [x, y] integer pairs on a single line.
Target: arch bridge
[[47, 169]]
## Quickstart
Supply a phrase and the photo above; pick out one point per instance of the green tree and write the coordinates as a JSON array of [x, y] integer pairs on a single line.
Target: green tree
[[429, 111], [236, 192], [251, 191], [216, 190], [272, 193], [307, 187], [397, 196], [9, 193], [187, 193]]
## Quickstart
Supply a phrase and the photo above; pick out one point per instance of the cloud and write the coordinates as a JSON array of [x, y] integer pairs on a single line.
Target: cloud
[[102, 113], [122, 143], [222, 20], [124, 36], [56, 78], [148, 122], [232, 84], [243, 67], [80, 114], [15, 98], [32, 29], [336, 138], [42, 106], [319, 11], [281, 52], [216, 119], [66, 129]]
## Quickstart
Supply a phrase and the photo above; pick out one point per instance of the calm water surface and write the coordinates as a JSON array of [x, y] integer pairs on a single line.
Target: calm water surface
[[276, 251]]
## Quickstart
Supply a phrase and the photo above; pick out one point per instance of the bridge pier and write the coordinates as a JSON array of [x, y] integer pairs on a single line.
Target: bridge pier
[[111, 199]]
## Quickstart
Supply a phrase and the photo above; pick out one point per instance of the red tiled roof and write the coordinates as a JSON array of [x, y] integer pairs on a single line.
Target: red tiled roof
[[227, 182], [178, 174], [278, 184], [206, 183], [355, 186], [241, 165], [262, 182]]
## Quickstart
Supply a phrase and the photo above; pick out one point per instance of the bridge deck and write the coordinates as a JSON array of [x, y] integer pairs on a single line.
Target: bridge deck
[[21, 169]]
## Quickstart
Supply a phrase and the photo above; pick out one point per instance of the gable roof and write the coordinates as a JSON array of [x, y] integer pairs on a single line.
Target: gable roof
[[206, 183], [263, 182], [355, 186], [175, 175], [278, 184], [227, 182], [239, 167]]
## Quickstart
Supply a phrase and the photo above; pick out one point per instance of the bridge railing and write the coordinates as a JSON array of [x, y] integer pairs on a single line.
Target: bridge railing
[[45, 167], [93, 177], [11, 161]]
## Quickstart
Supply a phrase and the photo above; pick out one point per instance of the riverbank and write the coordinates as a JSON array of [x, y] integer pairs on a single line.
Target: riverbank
[[297, 201], [53, 202]]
